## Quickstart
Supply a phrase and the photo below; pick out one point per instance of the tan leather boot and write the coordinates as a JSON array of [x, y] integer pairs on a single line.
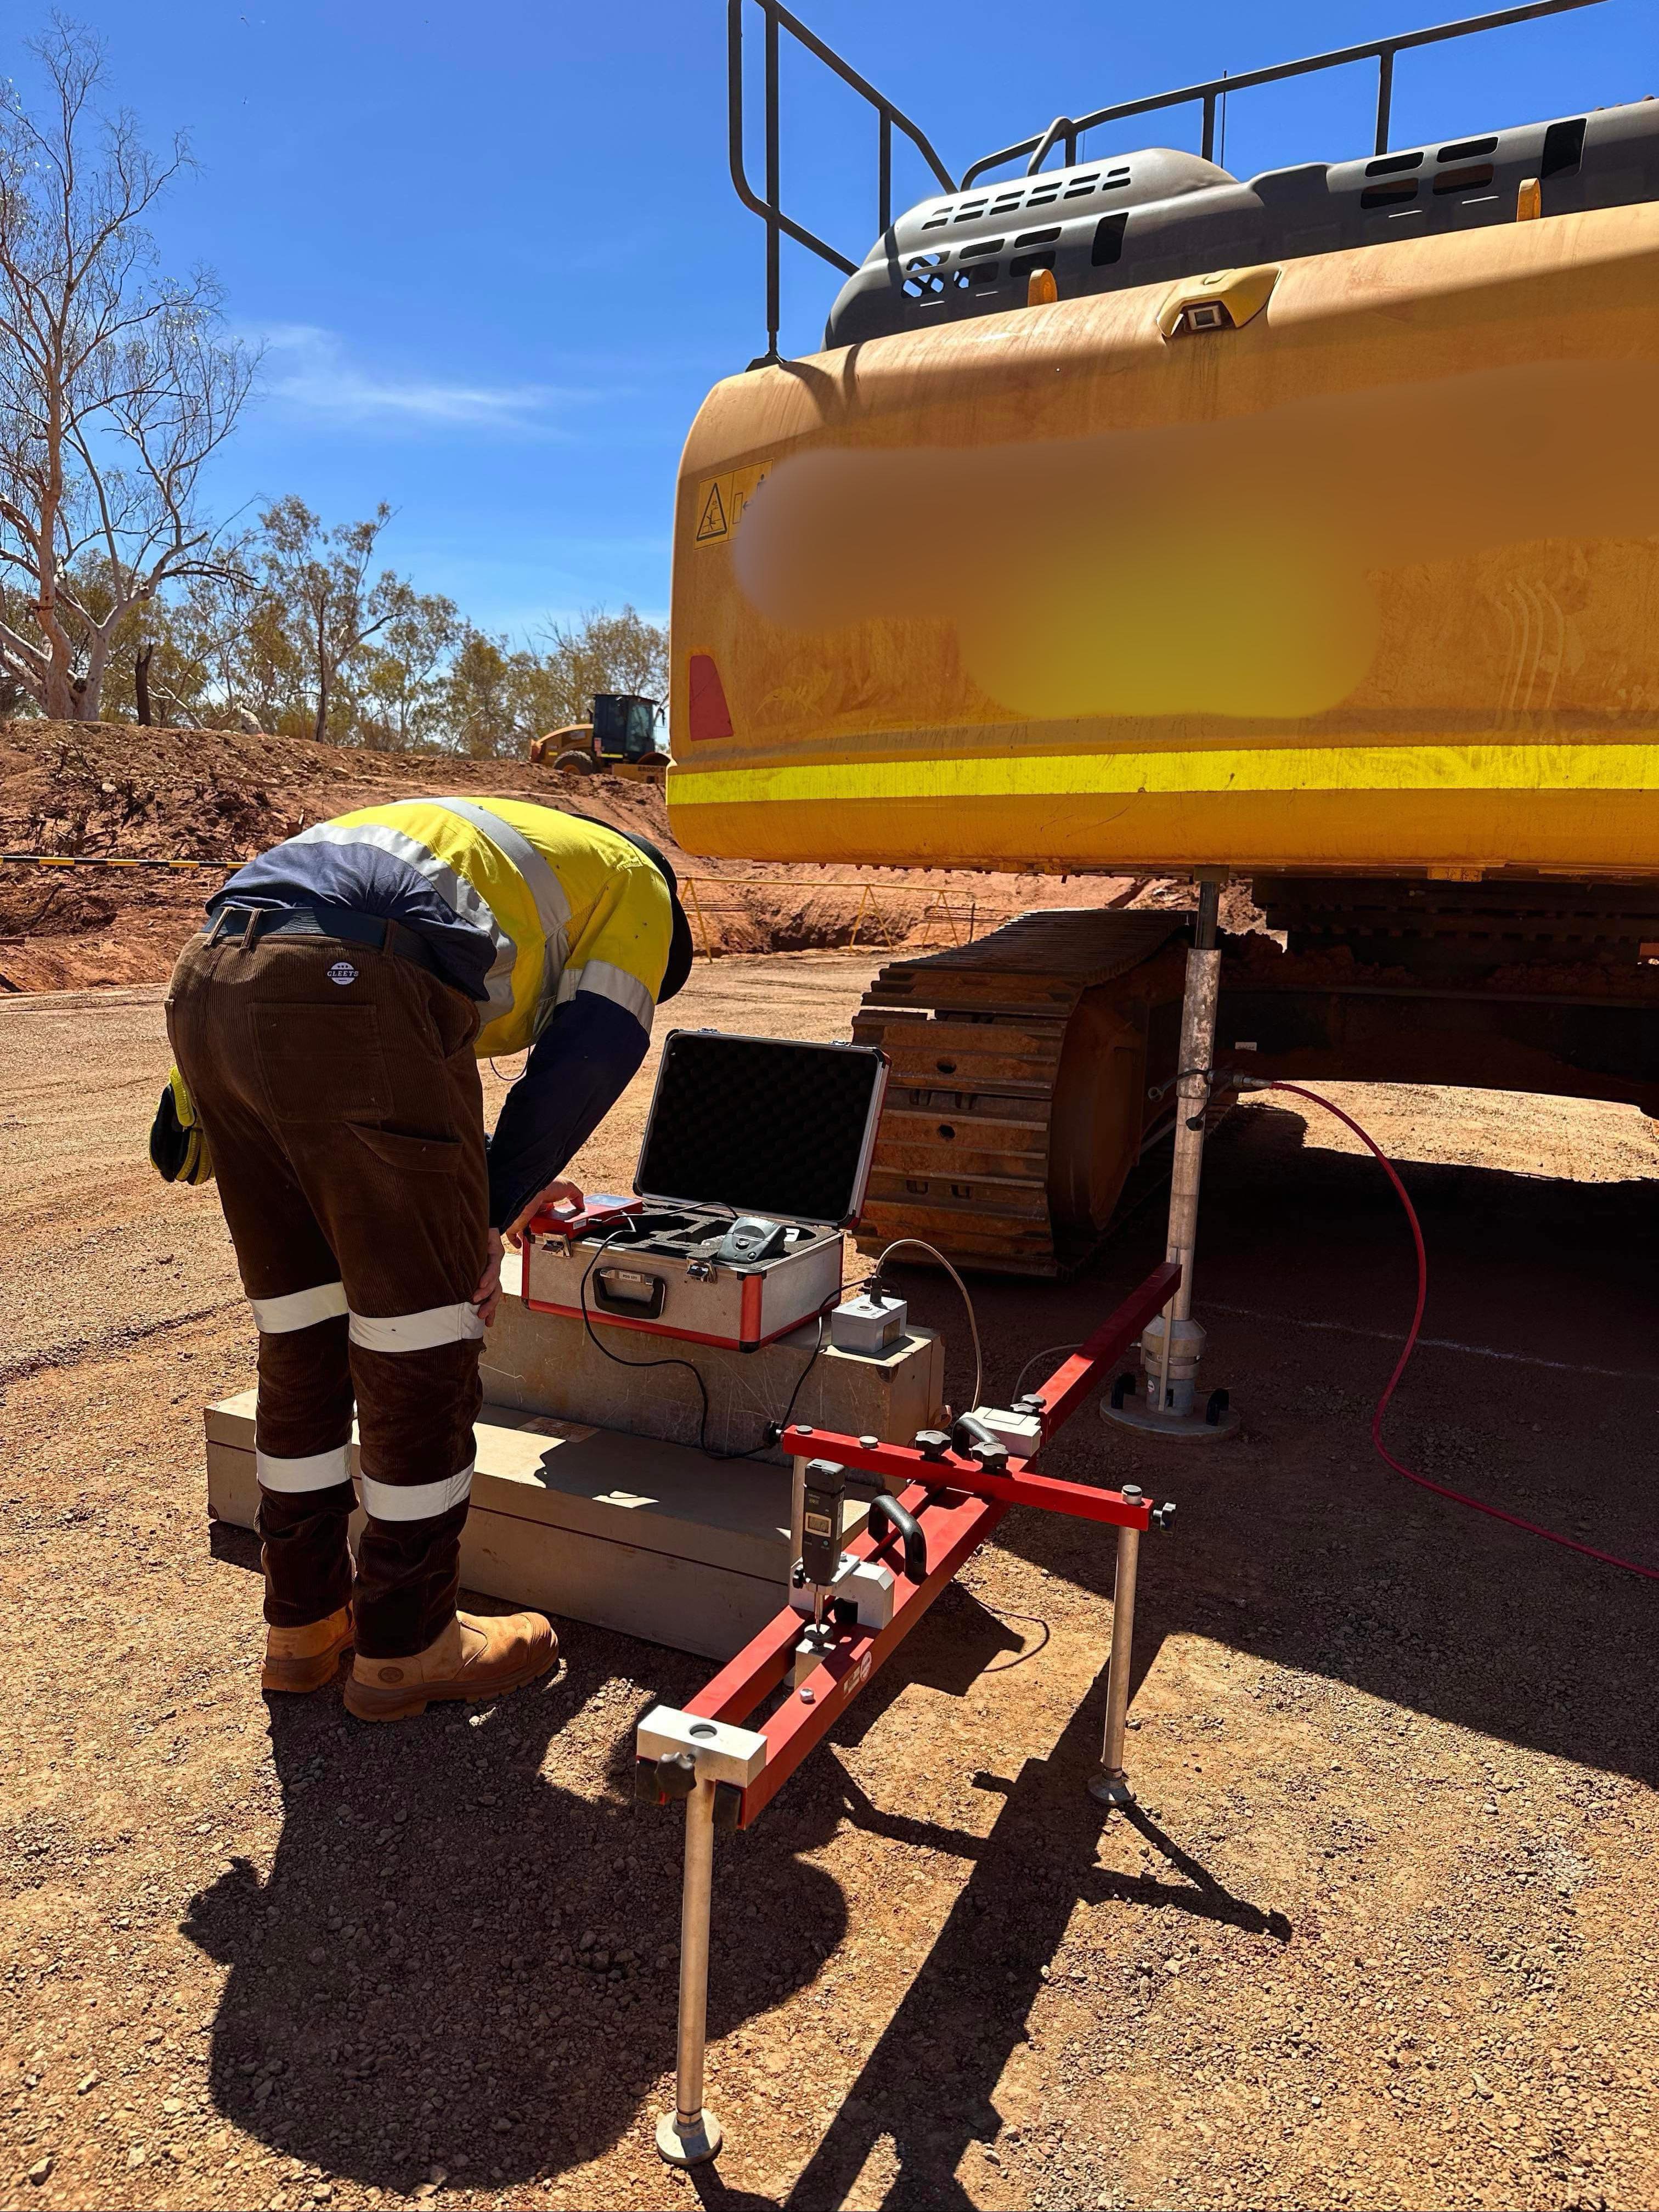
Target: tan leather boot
[[304, 1658], [474, 1657]]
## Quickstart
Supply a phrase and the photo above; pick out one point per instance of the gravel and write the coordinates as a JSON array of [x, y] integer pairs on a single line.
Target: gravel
[[1382, 1934]]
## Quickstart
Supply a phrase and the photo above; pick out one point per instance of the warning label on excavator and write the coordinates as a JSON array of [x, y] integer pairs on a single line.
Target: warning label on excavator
[[720, 503], [712, 523]]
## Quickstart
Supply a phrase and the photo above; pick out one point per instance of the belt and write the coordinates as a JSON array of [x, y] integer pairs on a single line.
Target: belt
[[251, 923]]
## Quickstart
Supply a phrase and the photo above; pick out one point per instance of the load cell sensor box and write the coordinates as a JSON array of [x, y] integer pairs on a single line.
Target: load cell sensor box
[[755, 1155], [866, 1324]]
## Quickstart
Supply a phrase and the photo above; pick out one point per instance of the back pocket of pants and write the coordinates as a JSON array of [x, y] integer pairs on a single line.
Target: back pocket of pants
[[322, 1063]]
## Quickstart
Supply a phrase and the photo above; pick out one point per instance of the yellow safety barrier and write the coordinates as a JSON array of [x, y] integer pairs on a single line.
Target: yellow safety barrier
[[104, 861], [939, 907]]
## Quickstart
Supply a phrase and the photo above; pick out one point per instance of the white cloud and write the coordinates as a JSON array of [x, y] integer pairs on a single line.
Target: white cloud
[[306, 367]]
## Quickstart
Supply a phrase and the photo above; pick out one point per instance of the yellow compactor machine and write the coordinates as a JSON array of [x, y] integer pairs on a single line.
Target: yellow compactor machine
[[1301, 531]]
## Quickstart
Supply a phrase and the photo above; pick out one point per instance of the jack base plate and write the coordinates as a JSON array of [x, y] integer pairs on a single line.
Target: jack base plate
[[1175, 1428], [696, 2147], [1110, 1788]]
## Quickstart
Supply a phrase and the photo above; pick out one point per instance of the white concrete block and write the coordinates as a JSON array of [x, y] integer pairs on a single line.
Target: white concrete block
[[625, 1532], [549, 1363]]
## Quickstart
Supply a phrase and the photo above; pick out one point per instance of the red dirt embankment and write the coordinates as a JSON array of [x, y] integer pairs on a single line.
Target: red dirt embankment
[[220, 796]]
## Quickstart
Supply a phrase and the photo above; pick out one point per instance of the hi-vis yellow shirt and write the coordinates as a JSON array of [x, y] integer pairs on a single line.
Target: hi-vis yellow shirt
[[568, 905]]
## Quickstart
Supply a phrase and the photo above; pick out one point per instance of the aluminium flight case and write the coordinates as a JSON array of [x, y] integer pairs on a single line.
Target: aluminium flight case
[[738, 1126]]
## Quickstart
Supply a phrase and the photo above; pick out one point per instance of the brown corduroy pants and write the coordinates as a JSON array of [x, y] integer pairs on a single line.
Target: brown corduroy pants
[[338, 1090]]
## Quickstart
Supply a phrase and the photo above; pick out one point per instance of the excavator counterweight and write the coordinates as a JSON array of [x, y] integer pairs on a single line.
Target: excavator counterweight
[[1137, 519]]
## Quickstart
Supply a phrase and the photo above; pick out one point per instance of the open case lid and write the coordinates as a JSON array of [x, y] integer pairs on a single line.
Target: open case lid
[[763, 1125]]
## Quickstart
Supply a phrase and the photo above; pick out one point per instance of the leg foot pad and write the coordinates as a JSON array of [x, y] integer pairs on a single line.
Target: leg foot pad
[[1172, 1428], [693, 2146], [1111, 1789]]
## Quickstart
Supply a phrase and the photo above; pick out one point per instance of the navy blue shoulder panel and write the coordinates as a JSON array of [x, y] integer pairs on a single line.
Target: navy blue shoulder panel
[[316, 873]]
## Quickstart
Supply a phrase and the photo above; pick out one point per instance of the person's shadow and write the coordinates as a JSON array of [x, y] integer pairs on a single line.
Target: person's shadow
[[456, 1963]]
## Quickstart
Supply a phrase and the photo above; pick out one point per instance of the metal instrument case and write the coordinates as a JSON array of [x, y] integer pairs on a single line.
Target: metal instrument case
[[738, 1125]]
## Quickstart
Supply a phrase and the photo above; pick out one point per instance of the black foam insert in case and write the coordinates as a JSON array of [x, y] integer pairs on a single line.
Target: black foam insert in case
[[762, 1124]]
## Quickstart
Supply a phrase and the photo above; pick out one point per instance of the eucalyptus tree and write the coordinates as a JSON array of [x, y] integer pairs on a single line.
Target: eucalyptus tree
[[117, 380]]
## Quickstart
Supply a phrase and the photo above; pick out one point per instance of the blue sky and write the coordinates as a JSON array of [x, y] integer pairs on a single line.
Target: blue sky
[[496, 262]]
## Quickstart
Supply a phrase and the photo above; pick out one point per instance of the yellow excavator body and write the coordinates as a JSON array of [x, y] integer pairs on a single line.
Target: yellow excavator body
[[1346, 565], [1300, 532]]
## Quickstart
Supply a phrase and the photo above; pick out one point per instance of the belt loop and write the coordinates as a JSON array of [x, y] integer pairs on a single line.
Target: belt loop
[[251, 928], [216, 926]]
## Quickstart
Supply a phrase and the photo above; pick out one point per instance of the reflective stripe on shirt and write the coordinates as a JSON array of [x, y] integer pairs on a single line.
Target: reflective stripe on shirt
[[607, 981], [561, 904], [450, 884], [552, 907]]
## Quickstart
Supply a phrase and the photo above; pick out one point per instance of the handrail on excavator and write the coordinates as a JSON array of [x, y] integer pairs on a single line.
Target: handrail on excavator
[[1380, 51], [778, 17]]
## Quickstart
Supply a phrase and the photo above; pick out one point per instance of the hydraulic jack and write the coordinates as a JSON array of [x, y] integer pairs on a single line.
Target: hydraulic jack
[[1173, 1343]]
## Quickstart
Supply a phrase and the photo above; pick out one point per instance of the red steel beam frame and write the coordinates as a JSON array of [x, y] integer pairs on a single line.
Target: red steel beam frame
[[950, 1471], [958, 1503], [956, 1525]]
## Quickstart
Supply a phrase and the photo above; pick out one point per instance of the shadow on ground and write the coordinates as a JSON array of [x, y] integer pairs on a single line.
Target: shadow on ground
[[1299, 1547], [407, 1993], [930, 2083], [1297, 1544], [410, 1987]]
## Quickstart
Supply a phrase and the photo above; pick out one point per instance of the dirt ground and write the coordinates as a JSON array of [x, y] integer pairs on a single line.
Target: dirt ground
[[1382, 1931]]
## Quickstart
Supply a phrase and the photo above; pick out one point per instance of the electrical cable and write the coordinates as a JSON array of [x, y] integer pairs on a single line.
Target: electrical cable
[[1048, 1353], [626, 1228], [1034, 1619], [898, 1244], [1440, 1489]]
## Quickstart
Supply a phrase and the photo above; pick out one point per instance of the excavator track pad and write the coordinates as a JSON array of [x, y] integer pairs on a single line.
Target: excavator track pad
[[1017, 1107]]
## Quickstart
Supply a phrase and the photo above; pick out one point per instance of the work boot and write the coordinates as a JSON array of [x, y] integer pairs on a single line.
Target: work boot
[[473, 1658], [304, 1658]]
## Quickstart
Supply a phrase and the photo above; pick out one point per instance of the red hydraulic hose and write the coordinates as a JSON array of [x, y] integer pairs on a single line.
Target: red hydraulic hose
[[1457, 1496]]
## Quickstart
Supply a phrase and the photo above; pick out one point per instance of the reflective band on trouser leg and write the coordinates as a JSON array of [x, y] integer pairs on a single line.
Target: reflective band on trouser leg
[[299, 1308], [415, 1501], [417, 1331], [323, 1470]]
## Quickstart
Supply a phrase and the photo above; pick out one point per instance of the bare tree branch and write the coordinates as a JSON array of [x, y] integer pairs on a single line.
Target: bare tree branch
[[116, 382]]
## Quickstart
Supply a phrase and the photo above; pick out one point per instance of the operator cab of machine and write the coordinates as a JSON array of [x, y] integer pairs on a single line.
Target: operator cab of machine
[[627, 727], [625, 734]]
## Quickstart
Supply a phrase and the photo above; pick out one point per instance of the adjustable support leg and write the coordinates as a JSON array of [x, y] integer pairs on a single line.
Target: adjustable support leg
[[690, 2136], [1171, 1346], [1108, 1784]]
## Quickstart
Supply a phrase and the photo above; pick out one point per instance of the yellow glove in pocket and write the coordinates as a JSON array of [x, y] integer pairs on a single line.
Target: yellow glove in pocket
[[177, 1144]]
